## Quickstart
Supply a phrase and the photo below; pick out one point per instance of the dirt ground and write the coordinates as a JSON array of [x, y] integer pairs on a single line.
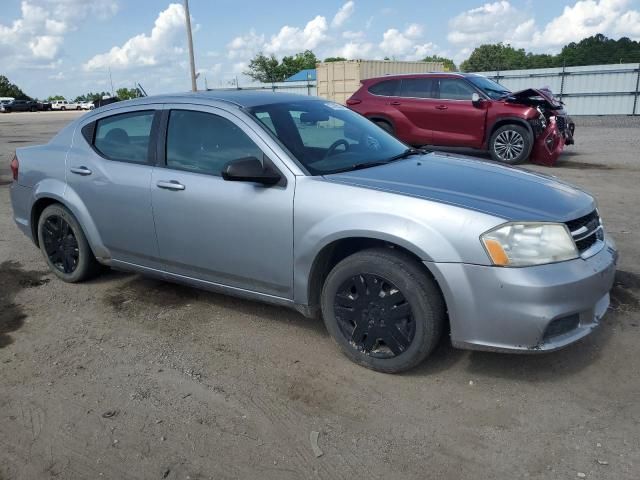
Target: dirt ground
[[131, 378]]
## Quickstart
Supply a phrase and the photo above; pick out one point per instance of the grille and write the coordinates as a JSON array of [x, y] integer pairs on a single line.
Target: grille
[[561, 325], [586, 231], [561, 122]]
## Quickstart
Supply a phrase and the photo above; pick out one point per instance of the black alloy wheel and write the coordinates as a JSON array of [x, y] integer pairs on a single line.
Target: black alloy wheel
[[383, 309], [374, 316], [65, 246], [60, 244]]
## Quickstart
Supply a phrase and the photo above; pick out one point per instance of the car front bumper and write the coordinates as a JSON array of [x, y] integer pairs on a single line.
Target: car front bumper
[[530, 309]]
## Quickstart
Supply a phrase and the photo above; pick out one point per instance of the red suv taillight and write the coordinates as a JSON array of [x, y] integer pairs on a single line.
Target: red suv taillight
[[15, 165], [353, 101]]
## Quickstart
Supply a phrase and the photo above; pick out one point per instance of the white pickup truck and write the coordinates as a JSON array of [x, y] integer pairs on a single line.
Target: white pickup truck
[[64, 105]]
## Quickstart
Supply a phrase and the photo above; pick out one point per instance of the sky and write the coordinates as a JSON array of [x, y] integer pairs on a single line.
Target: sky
[[68, 47]]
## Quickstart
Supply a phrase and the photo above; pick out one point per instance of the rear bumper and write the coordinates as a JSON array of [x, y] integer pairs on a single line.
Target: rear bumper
[[530, 309], [21, 201]]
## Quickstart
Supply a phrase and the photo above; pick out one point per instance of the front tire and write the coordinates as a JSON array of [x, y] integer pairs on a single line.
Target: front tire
[[510, 144], [62, 108], [64, 245], [383, 310]]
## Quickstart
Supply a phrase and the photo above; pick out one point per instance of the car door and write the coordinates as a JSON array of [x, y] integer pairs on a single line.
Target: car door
[[417, 104], [236, 234], [459, 122], [109, 169]]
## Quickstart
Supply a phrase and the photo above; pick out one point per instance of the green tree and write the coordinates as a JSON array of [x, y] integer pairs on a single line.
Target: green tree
[[53, 98], [595, 50], [498, 56], [8, 89], [127, 93], [264, 69], [300, 61], [91, 96], [267, 69], [448, 63], [335, 59]]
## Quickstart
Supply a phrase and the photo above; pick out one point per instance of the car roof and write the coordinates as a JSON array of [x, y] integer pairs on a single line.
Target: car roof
[[237, 97], [426, 74]]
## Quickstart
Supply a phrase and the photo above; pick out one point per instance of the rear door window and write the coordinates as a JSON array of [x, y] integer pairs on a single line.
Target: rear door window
[[202, 142], [386, 88], [125, 137], [455, 89], [418, 88]]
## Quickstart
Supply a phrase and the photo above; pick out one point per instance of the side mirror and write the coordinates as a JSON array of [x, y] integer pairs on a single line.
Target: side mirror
[[250, 169], [476, 99]]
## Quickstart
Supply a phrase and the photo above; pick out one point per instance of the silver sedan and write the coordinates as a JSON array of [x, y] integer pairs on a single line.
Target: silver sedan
[[300, 202]]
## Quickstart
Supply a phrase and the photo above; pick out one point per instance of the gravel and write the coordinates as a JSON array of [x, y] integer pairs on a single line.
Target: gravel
[[206, 386]]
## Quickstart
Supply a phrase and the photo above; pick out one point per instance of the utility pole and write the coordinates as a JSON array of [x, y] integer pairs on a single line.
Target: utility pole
[[194, 85], [113, 94]]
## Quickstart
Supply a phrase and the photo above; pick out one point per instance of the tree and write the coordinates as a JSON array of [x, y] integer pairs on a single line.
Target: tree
[[264, 69], [53, 98], [498, 56], [300, 61], [127, 93], [268, 69], [448, 63], [8, 89], [594, 50], [335, 59]]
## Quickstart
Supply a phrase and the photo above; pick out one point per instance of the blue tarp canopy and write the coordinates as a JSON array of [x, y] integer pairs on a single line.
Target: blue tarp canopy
[[303, 76]]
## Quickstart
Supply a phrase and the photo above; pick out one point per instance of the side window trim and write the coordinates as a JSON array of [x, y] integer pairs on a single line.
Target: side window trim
[[90, 129]]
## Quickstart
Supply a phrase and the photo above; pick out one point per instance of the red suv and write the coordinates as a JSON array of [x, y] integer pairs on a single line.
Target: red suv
[[467, 110]]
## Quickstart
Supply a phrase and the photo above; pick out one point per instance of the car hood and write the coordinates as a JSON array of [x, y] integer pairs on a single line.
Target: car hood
[[501, 191], [535, 97]]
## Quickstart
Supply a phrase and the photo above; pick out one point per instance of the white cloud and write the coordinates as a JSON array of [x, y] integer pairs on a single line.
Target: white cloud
[[403, 45], [161, 46], [500, 21], [489, 23], [355, 50], [245, 46], [349, 35], [589, 17], [343, 14], [42, 27], [293, 39]]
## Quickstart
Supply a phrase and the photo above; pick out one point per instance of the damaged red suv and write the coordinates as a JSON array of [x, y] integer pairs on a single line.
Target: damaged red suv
[[467, 110]]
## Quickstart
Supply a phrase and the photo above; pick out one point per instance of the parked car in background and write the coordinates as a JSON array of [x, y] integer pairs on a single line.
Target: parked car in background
[[19, 106], [467, 110], [64, 105], [303, 203], [44, 106], [87, 105]]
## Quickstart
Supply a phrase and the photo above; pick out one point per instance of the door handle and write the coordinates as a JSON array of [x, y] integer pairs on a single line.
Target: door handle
[[170, 185], [80, 170], [395, 103], [442, 107]]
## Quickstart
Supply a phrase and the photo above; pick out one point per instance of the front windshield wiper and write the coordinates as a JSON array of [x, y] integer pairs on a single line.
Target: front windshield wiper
[[359, 166]]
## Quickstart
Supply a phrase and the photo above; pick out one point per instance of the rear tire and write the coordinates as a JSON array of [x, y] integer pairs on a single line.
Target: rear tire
[[64, 245], [510, 144], [383, 310]]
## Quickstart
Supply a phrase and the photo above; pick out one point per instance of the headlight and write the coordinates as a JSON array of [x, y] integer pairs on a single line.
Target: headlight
[[542, 119], [525, 244]]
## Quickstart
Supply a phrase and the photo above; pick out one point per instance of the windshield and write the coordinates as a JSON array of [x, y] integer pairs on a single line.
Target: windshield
[[493, 89], [326, 137]]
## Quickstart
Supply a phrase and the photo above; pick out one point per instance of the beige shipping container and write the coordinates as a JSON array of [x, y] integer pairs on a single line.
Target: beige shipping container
[[337, 81]]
